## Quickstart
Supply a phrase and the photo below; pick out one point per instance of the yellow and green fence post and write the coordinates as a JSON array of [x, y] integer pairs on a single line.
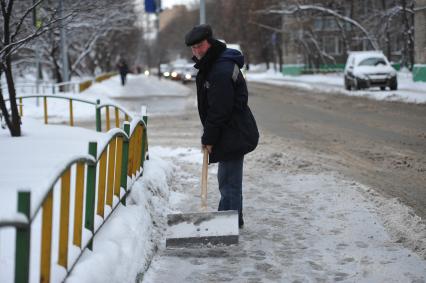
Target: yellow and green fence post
[[118, 165], [78, 204], [126, 128], [144, 138], [102, 183], [108, 121], [23, 240], [90, 192], [98, 117], [71, 114], [45, 109], [64, 219], [117, 117], [21, 111], [46, 238], [110, 170]]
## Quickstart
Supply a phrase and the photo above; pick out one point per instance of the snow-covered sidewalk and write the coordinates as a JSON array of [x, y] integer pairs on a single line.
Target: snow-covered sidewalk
[[304, 221], [408, 91]]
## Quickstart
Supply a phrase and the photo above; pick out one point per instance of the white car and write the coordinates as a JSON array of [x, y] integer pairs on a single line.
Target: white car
[[365, 69]]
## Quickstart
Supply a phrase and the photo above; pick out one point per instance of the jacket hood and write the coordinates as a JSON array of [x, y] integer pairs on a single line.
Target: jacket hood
[[232, 55]]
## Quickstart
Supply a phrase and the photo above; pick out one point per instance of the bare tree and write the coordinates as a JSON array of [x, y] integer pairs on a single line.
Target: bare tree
[[87, 23], [296, 8], [17, 30], [97, 23], [407, 9], [386, 25]]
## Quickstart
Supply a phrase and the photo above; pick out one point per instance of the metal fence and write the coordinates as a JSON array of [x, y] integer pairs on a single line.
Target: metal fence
[[84, 188]]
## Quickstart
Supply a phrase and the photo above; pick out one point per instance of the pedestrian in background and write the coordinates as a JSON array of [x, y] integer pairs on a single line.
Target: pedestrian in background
[[229, 128], [123, 69]]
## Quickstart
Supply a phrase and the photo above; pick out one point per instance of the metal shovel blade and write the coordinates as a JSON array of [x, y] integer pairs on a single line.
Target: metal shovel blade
[[202, 229]]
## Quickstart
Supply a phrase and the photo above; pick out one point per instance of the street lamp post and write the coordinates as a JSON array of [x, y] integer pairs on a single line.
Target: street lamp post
[[158, 11], [202, 12]]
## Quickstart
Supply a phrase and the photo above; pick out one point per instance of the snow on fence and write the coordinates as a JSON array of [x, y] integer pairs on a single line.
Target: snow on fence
[[120, 113], [117, 111], [90, 186]]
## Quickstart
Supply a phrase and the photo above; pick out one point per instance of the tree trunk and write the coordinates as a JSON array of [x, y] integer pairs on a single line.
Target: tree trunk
[[387, 34], [342, 28], [3, 107], [408, 58], [15, 119], [410, 24], [57, 71], [265, 56]]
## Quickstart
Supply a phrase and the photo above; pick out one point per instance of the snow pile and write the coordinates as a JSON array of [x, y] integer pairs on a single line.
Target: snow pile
[[50, 146], [408, 91], [405, 227], [191, 155], [127, 243]]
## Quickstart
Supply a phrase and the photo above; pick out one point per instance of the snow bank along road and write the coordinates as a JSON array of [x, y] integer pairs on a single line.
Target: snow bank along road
[[305, 221]]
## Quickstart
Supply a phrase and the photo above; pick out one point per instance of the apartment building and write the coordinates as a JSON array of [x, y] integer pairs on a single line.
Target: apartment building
[[321, 38]]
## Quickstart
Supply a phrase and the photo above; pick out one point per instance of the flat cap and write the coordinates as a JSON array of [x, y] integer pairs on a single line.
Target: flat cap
[[198, 34]]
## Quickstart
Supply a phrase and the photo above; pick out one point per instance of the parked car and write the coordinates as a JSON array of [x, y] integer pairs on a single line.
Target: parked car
[[365, 69]]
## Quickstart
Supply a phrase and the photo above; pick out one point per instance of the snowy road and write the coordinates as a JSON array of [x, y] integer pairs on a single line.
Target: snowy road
[[382, 144]]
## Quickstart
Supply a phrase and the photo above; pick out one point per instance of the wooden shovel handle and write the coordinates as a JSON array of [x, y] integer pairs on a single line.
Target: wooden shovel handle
[[204, 180]]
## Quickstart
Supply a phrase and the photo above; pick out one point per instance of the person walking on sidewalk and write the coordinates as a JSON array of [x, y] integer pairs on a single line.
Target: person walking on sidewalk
[[124, 70], [229, 128]]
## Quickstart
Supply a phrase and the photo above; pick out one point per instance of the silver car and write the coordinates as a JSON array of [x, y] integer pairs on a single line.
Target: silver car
[[365, 69]]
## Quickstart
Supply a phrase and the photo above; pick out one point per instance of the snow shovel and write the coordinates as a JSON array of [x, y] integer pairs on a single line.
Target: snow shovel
[[203, 228]]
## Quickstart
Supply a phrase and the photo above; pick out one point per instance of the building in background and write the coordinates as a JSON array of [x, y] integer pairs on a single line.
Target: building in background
[[319, 39], [169, 14]]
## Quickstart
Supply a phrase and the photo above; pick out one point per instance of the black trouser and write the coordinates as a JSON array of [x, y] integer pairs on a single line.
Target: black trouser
[[230, 178], [123, 78]]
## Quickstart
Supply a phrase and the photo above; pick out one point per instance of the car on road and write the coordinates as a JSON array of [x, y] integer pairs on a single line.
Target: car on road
[[176, 74], [188, 74], [365, 69]]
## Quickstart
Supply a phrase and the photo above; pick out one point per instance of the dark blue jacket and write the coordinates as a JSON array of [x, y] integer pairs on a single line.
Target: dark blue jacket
[[222, 96]]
